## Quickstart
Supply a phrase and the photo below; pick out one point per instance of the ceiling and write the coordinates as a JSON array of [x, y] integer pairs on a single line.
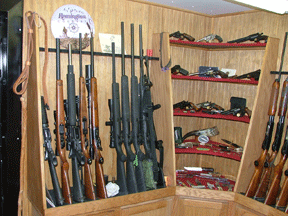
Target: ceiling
[[210, 7]]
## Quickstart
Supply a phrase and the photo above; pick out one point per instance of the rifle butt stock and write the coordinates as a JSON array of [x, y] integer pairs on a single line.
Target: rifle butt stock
[[88, 182], [282, 199]]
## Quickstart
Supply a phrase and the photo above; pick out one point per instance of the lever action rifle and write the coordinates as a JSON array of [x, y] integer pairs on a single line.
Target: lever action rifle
[[95, 141], [115, 128], [278, 171], [83, 125], [73, 142], [269, 164], [50, 156], [139, 171], [259, 163], [131, 157], [60, 131]]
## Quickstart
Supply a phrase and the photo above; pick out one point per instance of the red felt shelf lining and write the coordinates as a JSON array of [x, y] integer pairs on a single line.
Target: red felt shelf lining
[[180, 175], [218, 45], [180, 112], [207, 150], [211, 79]]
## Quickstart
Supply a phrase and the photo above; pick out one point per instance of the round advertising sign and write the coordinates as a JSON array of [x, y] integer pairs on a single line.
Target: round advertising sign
[[70, 20]]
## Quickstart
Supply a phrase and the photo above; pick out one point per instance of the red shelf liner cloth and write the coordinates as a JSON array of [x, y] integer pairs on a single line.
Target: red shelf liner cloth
[[180, 112], [207, 150]]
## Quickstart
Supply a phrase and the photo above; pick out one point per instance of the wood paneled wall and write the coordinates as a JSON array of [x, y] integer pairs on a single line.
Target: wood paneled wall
[[107, 16]]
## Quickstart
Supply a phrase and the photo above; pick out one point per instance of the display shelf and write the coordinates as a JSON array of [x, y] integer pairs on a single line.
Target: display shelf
[[200, 114], [217, 46], [186, 178], [211, 79], [214, 150]]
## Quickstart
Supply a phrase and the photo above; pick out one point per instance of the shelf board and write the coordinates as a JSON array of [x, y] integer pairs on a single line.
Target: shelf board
[[219, 46], [200, 114], [211, 79], [214, 150]]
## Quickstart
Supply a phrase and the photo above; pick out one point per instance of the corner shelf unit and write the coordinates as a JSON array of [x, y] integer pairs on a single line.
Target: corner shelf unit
[[248, 133]]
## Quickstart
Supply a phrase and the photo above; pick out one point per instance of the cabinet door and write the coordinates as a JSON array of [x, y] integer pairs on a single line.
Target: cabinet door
[[151, 208], [201, 208], [243, 211]]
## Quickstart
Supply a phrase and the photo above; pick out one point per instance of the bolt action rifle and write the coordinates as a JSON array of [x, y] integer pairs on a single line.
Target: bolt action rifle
[[262, 160], [83, 125], [131, 157], [95, 141], [73, 133], [115, 129], [50, 156], [60, 131], [139, 171]]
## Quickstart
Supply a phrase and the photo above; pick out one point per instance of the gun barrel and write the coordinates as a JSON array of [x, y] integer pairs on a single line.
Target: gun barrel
[[58, 70]]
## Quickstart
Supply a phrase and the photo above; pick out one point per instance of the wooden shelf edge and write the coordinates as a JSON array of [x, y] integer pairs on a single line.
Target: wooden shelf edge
[[256, 205], [205, 193], [113, 202]]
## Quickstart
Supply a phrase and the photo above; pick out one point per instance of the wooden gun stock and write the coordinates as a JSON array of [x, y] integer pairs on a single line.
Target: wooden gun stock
[[100, 182], [60, 137], [275, 185], [283, 196], [255, 180], [83, 118]]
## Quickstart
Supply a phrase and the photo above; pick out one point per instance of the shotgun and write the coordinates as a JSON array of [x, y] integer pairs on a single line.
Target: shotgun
[[278, 171], [83, 122], [269, 164], [282, 199], [59, 115], [131, 157], [262, 160]]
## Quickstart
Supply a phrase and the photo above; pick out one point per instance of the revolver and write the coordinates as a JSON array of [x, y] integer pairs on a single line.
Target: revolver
[[182, 36], [209, 38]]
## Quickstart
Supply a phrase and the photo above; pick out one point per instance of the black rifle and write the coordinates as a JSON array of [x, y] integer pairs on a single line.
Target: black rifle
[[257, 37], [147, 118], [115, 125], [73, 132], [130, 172], [50, 156], [141, 186]]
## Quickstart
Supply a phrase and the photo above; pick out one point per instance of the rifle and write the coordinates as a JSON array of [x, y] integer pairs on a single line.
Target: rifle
[[139, 172], [50, 156], [60, 131], [282, 199], [149, 108], [269, 164], [73, 142], [259, 164], [115, 126], [130, 172], [94, 130], [257, 37], [83, 122]]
